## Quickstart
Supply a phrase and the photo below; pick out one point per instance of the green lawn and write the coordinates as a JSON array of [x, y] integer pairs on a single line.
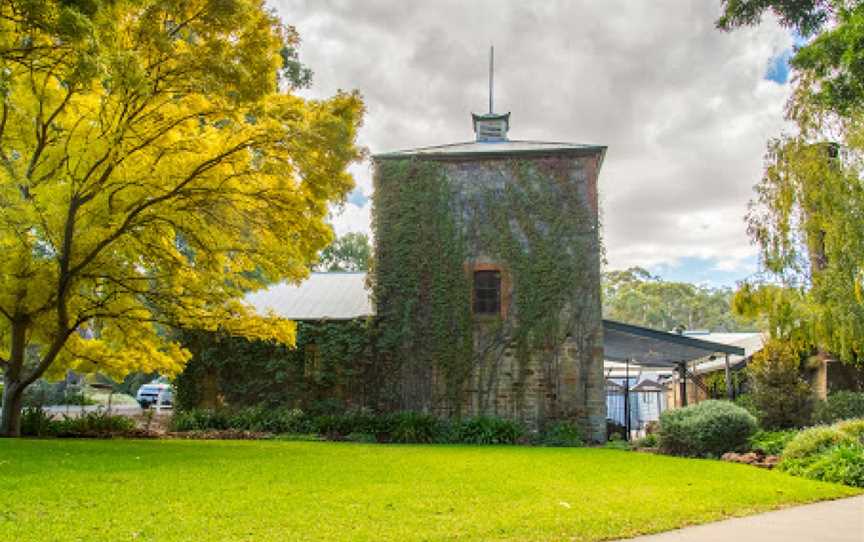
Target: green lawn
[[269, 490]]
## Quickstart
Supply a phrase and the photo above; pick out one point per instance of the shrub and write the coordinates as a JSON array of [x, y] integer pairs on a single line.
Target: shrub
[[710, 428], [840, 405], [362, 426], [782, 397], [614, 428], [257, 419], [813, 441], [268, 420], [36, 422], [98, 423], [339, 426], [290, 420], [249, 419], [771, 442], [200, 419], [277, 420], [332, 425], [830, 454], [562, 434], [746, 402], [648, 441], [486, 430], [853, 428], [843, 464], [364, 438], [414, 427]]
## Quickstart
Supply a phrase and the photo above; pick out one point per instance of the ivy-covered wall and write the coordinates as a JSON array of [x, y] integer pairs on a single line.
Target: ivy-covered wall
[[535, 219], [436, 221], [329, 369]]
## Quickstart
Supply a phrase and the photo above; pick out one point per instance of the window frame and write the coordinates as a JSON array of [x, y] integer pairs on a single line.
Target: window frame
[[498, 288]]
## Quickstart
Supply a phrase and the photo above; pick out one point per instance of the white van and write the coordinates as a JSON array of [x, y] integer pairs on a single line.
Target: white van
[[150, 394]]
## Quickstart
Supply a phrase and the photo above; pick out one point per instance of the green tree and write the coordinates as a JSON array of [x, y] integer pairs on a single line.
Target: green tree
[[806, 218], [805, 16], [637, 297], [828, 67], [350, 252], [782, 397], [154, 166]]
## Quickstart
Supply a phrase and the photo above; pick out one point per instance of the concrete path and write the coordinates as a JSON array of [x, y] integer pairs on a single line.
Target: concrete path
[[830, 521]]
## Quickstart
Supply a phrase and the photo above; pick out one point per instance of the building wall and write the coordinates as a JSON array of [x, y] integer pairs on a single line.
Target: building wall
[[831, 375], [562, 380], [695, 394]]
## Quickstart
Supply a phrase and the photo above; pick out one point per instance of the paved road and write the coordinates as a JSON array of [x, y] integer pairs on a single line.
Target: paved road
[[124, 410], [831, 521]]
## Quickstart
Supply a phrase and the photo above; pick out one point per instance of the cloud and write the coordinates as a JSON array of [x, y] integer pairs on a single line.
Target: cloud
[[684, 108]]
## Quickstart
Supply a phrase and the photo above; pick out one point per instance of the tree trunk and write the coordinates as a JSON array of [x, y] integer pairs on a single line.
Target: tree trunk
[[10, 418], [13, 386]]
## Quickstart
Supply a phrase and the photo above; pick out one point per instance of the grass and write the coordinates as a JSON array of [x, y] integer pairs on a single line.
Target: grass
[[118, 399], [271, 490]]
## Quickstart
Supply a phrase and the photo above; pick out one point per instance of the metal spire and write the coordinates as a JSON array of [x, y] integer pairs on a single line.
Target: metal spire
[[491, 75]]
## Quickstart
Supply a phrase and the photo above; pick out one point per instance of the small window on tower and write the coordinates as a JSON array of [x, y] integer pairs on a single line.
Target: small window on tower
[[487, 292]]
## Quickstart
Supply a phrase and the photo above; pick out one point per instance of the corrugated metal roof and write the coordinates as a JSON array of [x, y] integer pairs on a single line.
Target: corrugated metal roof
[[750, 342], [474, 148], [652, 348], [322, 296]]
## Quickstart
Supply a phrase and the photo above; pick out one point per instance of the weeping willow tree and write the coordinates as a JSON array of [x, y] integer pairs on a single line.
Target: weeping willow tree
[[807, 218]]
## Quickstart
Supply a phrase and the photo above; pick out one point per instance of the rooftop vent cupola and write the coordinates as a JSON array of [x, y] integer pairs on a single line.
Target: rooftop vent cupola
[[491, 126]]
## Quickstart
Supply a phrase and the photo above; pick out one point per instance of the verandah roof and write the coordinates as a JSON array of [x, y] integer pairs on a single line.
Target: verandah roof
[[652, 348]]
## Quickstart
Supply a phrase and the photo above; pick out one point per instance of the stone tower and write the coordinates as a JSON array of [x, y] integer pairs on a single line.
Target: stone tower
[[486, 278]]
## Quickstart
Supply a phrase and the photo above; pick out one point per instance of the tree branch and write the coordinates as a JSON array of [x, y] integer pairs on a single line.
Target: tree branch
[[42, 131], [56, 346], [134, 213]]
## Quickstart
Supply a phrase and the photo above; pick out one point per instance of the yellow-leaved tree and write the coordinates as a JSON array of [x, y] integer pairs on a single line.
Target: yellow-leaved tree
[[154, 166]]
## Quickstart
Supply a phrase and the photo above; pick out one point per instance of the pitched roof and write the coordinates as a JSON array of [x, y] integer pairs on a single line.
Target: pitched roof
[[492, 148], [611, 385], [322, 296], [647, 385]]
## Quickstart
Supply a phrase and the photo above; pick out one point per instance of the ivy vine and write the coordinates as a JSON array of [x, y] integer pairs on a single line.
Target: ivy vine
[[233, 371], [419, 285], [433, 221]]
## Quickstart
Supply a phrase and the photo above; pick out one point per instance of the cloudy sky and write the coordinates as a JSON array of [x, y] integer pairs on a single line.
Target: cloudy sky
[[684, 109]]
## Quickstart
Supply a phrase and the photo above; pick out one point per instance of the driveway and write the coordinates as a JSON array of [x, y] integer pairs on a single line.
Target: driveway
[[829, 521]]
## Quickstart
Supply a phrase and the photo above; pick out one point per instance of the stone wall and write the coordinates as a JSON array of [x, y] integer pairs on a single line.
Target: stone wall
[[564, 384], [563, 380]]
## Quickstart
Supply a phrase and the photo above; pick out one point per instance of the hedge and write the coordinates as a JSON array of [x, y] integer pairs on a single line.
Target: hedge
[[706, 429]]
